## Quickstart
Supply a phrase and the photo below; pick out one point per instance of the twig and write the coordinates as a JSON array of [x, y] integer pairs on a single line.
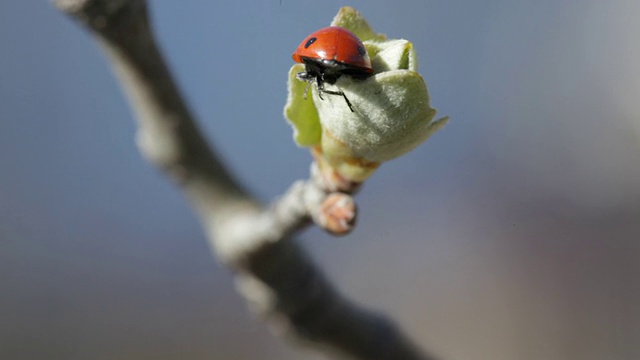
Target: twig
[[273, 272]]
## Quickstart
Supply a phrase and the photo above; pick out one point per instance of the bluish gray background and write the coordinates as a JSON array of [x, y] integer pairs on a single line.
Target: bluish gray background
[[512, 234]]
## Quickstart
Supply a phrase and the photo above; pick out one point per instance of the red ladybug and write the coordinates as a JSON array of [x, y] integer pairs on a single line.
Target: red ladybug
[[329, 53]]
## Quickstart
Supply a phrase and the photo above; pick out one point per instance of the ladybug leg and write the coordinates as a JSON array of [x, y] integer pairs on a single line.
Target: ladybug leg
[[320, 82], [337, 93], [308, 78], [305, 76], [306, 90], [348, 102], [331, 92]]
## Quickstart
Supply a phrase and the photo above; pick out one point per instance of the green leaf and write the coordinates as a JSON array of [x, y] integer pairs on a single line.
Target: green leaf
[[353, 21], [392, 55], [300, 112], [392, 115]]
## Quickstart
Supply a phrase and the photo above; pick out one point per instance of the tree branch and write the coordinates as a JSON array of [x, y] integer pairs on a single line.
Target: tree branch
[[272, 272]]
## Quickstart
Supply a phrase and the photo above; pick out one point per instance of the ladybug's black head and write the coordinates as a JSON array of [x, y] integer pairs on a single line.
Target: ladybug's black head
[[329, 71]]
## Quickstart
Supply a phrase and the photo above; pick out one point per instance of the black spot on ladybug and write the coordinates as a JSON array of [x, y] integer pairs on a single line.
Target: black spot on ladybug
[[309, 42], [361, 51]]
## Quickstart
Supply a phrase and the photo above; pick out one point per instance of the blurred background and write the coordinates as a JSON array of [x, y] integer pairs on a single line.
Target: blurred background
[[514, 233]]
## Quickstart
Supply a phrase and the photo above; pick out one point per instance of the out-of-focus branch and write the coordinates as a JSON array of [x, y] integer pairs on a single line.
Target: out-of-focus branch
[[274, 273]]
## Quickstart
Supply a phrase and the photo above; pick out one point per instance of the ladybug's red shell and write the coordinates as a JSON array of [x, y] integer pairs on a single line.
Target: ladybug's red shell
[[328, 54], [334, 43]]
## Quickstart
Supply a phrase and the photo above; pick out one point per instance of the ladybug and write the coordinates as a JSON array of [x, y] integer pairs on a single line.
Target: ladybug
[[329, 53]]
